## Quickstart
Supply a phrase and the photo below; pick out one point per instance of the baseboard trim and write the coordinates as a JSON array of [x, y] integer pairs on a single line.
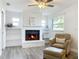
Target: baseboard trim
[[74, 51], [0, 52]]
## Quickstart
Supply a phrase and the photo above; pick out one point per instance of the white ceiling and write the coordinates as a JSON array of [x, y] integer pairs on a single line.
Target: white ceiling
[[20, 5]]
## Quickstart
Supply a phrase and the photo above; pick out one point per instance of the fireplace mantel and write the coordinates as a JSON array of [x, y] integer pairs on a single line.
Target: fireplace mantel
[[32, 43]]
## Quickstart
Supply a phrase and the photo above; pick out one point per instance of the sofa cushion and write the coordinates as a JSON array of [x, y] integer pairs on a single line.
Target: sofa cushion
[[60, 40], [58, 45], [53, 51]]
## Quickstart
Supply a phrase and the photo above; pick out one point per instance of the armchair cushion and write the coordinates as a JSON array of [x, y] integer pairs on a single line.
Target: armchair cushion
[[58, 45]]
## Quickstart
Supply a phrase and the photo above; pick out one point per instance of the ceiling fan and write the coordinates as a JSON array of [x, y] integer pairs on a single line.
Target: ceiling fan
[[42, 3]]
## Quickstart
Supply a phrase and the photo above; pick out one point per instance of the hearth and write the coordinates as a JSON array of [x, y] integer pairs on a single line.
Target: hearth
[[32, 35]]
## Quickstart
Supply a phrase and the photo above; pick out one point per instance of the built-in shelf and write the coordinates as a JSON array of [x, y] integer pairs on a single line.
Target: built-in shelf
[[13, 28]]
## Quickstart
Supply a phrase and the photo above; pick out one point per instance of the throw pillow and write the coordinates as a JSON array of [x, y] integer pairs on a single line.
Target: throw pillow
[[60, 40]]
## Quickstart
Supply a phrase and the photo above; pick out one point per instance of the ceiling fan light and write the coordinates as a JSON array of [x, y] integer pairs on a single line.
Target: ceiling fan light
[[42, 5]]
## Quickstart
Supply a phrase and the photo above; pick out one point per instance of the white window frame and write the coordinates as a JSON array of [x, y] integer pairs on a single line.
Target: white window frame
[[54, 24]]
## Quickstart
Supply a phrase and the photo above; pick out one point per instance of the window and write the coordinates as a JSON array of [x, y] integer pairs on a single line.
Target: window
[[58, 23], [15, 21]]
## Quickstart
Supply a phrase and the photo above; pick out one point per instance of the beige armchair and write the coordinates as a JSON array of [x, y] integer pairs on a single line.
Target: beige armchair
[[59, 47]]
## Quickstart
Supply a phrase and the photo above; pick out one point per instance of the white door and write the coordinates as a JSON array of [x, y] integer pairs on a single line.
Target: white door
[[0, 32], [3, 30]]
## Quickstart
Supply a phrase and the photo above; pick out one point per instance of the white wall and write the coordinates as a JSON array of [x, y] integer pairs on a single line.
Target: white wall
[[71, 24], [13, 35]]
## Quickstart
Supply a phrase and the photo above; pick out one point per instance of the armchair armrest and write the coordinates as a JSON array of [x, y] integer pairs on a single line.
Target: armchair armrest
[[67, 46], [51, 42]]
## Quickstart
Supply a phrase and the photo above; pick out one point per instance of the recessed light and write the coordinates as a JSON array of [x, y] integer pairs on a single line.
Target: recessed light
[[8, 4]]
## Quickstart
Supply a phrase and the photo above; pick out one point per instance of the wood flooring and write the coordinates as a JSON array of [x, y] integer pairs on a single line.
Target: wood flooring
[[20, 53]]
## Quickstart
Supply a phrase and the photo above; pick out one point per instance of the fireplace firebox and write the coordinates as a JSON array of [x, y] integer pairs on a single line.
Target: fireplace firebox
[[32, 35]]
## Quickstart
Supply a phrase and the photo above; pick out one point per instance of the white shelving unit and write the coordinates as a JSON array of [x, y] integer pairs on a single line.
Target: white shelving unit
[[13, 28], [13, 36]]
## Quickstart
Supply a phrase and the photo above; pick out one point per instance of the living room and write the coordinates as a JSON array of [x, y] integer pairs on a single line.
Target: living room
[[28, 29]]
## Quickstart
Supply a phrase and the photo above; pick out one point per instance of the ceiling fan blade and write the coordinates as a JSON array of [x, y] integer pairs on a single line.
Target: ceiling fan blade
[[46, 1], [33, 5], [50, 5]]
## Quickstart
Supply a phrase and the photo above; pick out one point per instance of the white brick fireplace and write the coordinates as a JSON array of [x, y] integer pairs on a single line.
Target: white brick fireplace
[[32, 43]]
